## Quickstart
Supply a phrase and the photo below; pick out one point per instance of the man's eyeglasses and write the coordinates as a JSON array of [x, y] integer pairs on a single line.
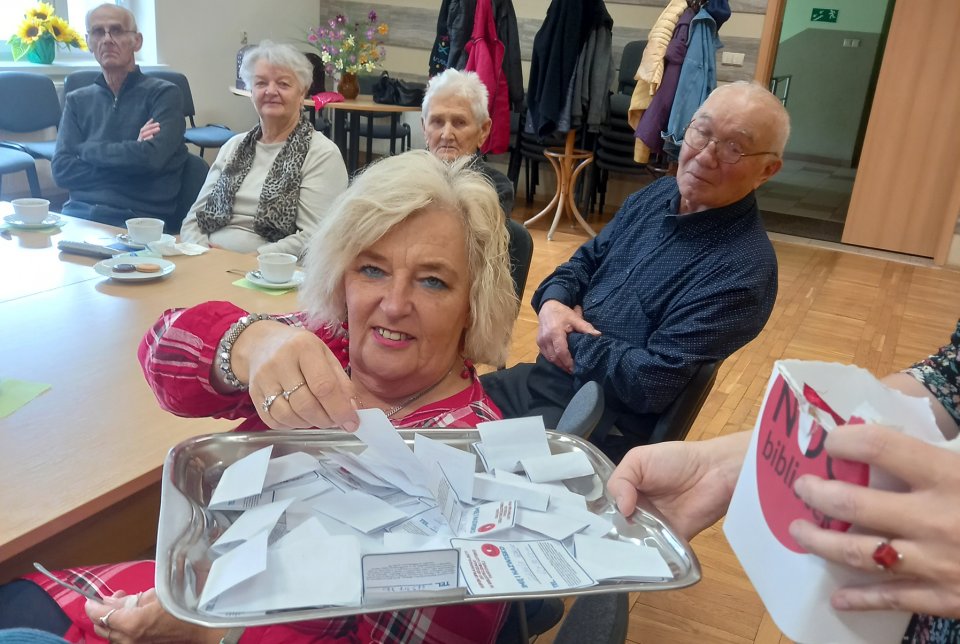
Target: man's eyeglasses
[[726, 151], [115, 32]]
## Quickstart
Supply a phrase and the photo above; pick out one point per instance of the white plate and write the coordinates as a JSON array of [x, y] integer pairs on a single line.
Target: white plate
[[262, 283], [51, 220], [105, 268], [124, 239]]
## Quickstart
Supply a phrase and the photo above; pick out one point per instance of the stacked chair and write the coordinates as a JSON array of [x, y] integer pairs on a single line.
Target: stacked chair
[[615, 143]]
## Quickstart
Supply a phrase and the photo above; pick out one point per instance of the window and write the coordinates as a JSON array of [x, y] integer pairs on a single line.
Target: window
[[73, 11]]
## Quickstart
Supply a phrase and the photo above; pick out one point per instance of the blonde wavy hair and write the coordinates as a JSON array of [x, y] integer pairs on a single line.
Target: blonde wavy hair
[[385, 194]]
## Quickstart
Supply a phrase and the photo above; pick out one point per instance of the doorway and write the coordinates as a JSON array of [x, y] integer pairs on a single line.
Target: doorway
[[827, 61]]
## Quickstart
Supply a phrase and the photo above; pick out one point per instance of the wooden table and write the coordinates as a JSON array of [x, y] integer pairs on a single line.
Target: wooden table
[[363, 105], [81, 463]]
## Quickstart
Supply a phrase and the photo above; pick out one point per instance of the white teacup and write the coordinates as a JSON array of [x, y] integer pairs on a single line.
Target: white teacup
[[277, 267], [143, 230], [31, 210]]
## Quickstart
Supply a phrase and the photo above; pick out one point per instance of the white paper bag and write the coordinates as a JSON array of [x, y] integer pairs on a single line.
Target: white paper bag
[[804, 400]]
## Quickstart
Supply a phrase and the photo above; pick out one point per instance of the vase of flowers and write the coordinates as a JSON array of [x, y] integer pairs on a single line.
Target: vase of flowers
[[41, 33], [348, 48]]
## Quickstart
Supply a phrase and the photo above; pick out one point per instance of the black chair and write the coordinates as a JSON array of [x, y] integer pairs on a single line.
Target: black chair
[[193, 175], [677, 419], [15, 161], [383, 127], [30, 104], [599, 619], [521, 255], [211, 135], [520, 247], [78, 79], [629, 62]]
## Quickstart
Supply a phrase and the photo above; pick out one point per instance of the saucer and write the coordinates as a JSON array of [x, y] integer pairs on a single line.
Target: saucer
[[124, 239], [105, 268], [51, 220], [262, 283]]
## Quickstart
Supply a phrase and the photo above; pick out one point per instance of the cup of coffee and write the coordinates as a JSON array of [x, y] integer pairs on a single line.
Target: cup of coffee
[[143, 230], [31, 210], [277, 267]]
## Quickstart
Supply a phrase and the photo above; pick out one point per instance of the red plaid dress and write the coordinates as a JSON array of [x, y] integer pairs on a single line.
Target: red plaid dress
[[176, 356]]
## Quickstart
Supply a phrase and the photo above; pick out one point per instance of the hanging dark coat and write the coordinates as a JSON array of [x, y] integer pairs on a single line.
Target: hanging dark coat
[[556, 49]]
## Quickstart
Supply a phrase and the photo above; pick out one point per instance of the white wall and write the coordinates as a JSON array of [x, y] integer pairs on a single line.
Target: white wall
[[201, 39]]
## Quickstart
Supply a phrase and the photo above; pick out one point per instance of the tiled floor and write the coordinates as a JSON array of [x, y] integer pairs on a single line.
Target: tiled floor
[[807, 199]]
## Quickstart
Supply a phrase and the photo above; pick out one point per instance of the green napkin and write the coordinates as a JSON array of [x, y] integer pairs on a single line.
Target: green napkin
[[243, 282], [14, 394]]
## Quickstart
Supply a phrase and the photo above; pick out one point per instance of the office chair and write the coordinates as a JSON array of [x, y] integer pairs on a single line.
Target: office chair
[[521, 255], [629, 62], [677, 419], [14, 161], [30, 103], [192, 176], [78, 79], [207, 136], [583, 412], [601, 619]]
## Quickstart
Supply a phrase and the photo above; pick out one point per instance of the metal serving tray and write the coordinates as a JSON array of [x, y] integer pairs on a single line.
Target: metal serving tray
[[187, 528]]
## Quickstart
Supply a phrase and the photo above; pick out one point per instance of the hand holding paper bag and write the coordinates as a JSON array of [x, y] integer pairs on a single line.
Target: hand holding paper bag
[[922, 523]]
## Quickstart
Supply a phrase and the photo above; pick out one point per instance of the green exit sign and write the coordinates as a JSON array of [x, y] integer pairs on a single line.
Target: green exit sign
[[824, 15]]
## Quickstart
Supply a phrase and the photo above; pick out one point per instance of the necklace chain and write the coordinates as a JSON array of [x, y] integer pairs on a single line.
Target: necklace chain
[[420, 394]]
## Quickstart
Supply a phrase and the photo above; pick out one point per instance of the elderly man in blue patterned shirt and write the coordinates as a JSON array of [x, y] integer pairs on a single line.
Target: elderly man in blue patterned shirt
[[684, 274]]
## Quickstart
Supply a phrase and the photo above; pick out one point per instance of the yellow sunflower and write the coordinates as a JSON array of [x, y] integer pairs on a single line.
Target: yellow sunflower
[[41, 12], [30, 30], [60, 29], [72, 38]]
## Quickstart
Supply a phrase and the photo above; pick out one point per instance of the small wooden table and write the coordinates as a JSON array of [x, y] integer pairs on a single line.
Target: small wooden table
[[362, 105], [81, 462], [568, 163]]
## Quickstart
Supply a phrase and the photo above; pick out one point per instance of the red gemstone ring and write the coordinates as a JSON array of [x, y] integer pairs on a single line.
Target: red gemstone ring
[[886, 556]]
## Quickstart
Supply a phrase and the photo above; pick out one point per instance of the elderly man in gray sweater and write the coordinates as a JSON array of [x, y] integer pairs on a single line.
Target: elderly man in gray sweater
[[120, 149]]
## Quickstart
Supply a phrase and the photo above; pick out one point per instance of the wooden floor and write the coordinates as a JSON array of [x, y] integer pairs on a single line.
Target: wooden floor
[[836, 306]]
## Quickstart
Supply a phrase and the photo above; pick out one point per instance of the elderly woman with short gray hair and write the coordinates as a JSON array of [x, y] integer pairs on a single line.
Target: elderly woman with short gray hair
[[268, 189], [456, 122]]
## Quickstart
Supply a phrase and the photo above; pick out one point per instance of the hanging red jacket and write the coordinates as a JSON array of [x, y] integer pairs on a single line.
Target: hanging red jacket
[[485, 57]]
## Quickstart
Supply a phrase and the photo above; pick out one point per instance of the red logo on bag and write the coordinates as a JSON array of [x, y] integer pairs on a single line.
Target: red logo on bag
[[486, 527], [780, 461]]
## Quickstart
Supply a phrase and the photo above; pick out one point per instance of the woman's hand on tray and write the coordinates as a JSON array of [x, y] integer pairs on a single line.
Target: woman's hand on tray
[[690, 483], [141, 619]]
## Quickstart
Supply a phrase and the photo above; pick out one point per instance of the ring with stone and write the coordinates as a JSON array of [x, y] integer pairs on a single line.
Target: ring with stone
[[886, 556], [269, 401]]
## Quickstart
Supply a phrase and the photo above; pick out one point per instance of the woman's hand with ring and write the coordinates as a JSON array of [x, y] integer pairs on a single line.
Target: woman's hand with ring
[[920, 527], [295, 380], [140, 618]]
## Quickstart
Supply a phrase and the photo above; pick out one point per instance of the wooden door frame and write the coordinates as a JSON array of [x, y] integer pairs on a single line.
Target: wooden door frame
[[766, 60], [769, 41]]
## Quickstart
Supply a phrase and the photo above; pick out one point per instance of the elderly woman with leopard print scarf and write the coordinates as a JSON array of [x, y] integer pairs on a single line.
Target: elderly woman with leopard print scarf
[[269, 188]]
